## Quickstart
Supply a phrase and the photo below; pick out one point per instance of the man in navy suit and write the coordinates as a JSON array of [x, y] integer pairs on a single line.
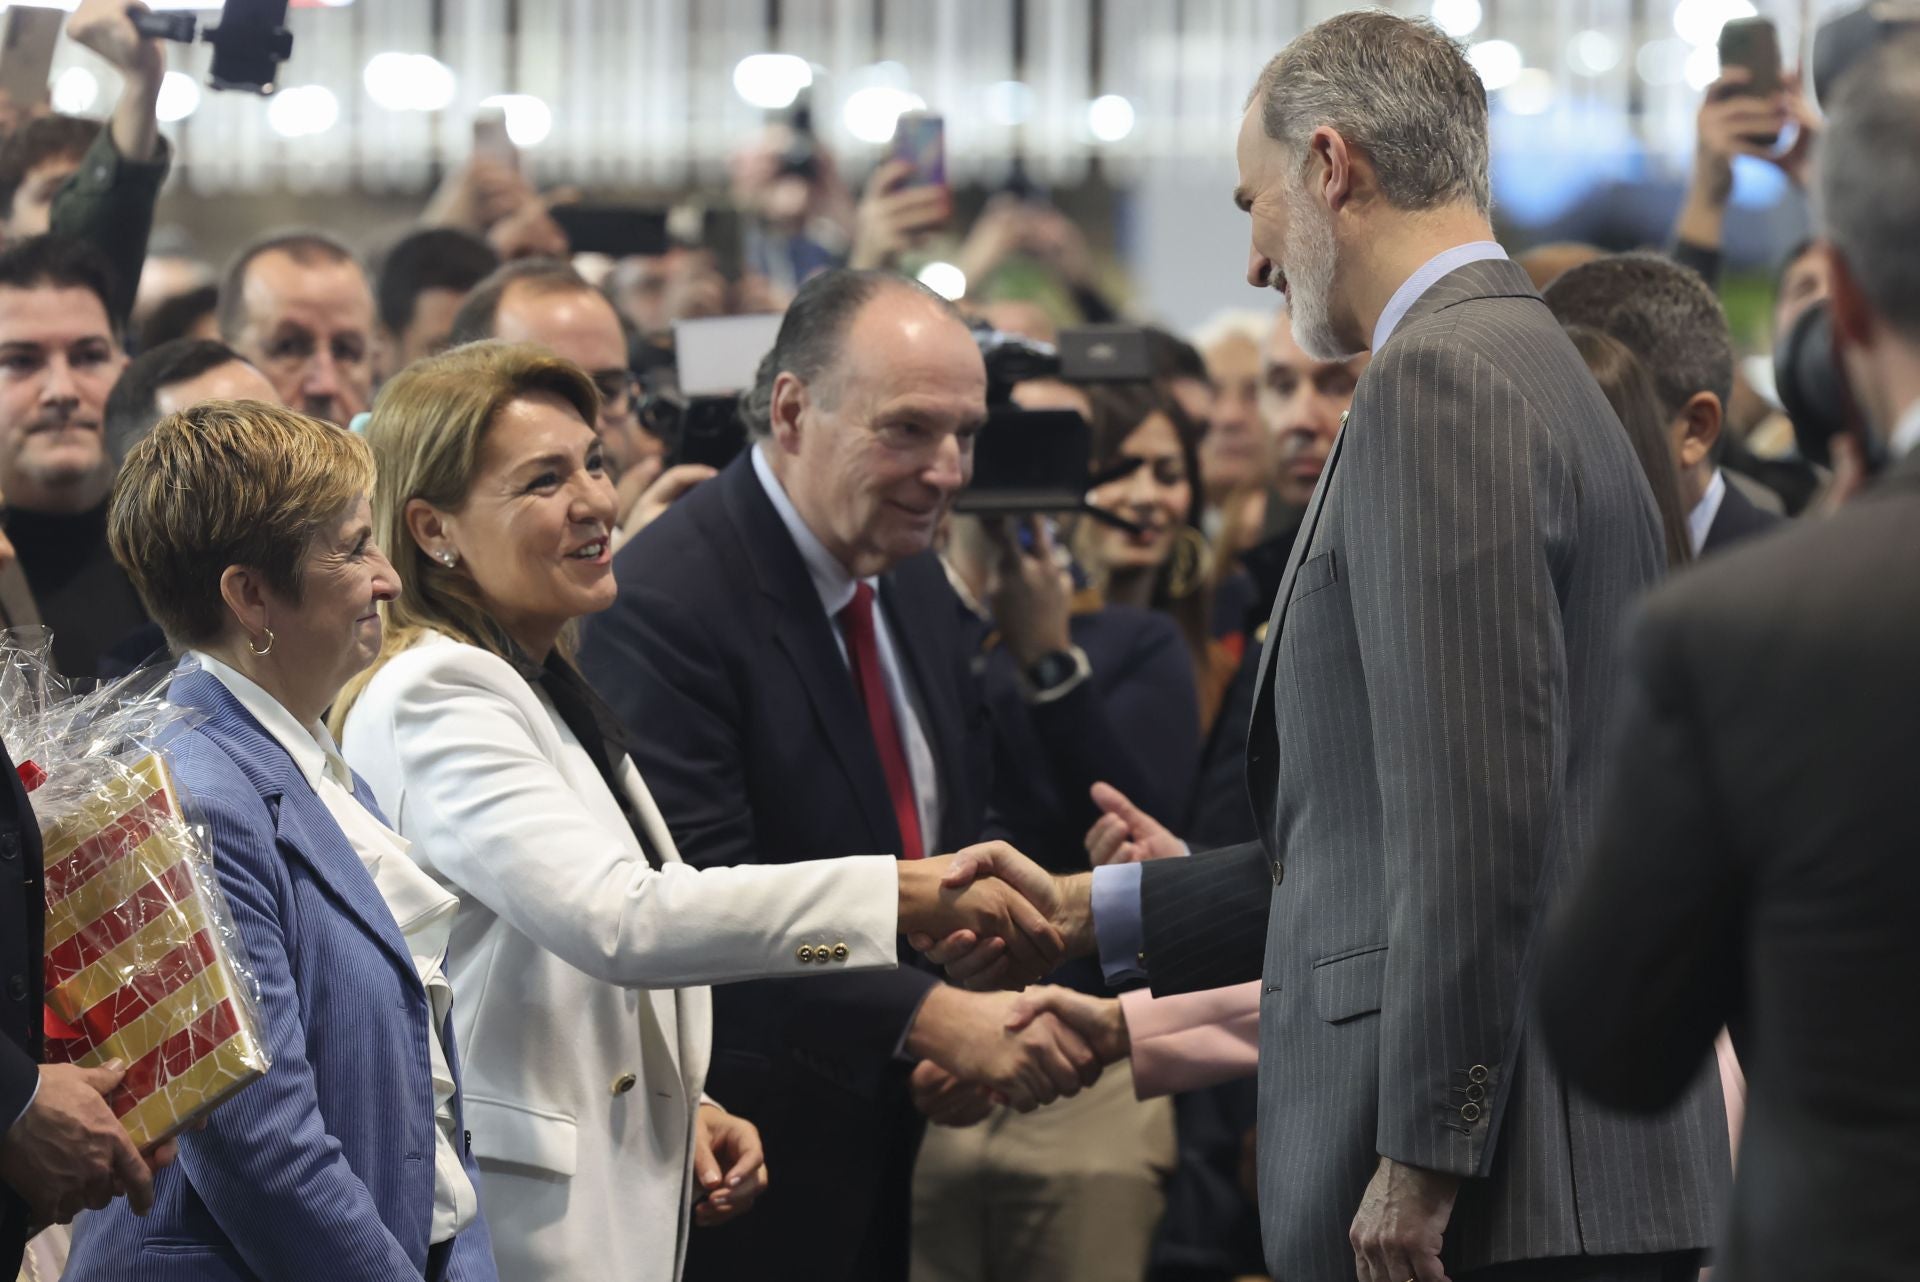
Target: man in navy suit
[[785, 656]]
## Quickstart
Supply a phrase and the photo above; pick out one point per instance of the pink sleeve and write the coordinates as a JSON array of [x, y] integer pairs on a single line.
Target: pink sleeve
[[1193, 1040]]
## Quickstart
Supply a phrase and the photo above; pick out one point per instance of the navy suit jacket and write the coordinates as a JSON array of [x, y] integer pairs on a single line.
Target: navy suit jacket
[[1737, 519], [722, 665], [322, 1170]]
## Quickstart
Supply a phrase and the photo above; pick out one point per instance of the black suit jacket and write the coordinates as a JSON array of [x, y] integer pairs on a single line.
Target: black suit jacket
[[1758, 865], [723, 666], [22, 923], [1737, 519]]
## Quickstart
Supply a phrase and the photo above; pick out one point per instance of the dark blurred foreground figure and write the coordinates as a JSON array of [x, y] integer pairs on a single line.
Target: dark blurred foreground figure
[[1757, 856]]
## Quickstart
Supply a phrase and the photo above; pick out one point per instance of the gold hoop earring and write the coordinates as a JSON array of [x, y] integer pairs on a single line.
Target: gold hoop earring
[[1190, 563], [263, 652]]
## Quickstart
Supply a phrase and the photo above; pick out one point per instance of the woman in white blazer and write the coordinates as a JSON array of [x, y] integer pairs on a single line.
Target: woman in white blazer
[[581, 939]]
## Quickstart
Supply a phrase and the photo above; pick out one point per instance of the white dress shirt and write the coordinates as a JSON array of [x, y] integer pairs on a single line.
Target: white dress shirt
[[1700, 519], [836, 587], [421, 907]]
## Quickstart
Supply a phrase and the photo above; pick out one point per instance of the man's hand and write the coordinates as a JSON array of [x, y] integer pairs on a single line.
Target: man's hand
[[1796, 162], [68, 1153], [978, 962], [892, 219], [1126, 834], [1402, 1223], [949, 895], [966, 1034], [1730, 119], [104, 27], [729, 1164], [1101, 1023], [1032, 595], [946, 1100]]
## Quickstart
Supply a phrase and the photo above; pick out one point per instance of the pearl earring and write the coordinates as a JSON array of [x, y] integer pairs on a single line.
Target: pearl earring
[[447, 557]]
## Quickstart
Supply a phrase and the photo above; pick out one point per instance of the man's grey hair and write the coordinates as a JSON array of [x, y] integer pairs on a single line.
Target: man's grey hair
[[1870, 180], [814, 331], [1397, 89]]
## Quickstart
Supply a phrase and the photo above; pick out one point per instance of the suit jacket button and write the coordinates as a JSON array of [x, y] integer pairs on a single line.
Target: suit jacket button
[[1278, 869], [1476, 1092], [1477, 1074], [823, 955], [17, 988], [840, 952], [1469, 1112], [806, 953], [624, 1083]]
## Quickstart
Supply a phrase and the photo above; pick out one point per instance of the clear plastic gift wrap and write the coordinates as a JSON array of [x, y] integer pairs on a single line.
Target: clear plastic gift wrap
[[143, 964]]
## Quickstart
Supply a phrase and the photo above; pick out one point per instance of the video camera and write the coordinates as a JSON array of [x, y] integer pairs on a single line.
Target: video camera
[[1806, 367], [249, 44], [1029, 462]]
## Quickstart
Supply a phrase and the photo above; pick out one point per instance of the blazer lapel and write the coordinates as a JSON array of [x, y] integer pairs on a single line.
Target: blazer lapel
[[302, 824], [803, 631]]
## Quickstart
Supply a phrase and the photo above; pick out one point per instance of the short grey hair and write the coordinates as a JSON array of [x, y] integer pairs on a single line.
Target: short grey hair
[[1870, 179], [814, 331], [1399, 90]]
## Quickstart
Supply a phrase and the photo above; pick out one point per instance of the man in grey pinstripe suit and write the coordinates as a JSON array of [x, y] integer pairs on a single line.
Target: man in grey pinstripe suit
[[1425, 752]]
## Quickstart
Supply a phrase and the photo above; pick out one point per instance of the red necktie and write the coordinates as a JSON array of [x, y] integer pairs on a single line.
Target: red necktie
[[863, 650]]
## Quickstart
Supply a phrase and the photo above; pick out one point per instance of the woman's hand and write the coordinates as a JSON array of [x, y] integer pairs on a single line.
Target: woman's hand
[[728, 1163]]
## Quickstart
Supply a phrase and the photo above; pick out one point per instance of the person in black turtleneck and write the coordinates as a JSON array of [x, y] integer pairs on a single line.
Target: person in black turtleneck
[[59, 357]]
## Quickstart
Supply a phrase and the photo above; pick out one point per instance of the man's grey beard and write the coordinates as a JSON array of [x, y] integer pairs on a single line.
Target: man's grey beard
[[1312, 258]]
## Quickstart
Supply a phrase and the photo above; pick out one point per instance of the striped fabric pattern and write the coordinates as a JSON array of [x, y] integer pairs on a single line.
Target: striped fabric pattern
[[1425, 762]]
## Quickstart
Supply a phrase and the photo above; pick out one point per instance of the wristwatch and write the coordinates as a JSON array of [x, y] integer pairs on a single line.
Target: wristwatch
[[1054, 673]]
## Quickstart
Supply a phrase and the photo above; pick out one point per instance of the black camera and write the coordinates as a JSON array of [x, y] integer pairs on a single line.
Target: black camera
[[249, 44], [1033, 461], [1807, 373]]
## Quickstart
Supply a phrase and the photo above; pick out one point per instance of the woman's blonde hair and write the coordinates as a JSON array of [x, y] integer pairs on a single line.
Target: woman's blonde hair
[[228, 483], [427, 429]]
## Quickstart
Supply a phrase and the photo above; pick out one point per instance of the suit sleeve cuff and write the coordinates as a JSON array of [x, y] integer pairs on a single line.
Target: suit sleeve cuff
[[1116, 923], [13, 1121]]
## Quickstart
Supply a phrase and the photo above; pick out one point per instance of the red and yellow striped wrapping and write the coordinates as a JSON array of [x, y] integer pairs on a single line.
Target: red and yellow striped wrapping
[[136, 966]]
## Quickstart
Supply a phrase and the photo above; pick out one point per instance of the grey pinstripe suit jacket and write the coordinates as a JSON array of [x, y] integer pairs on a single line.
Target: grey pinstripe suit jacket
[[1425, 760]]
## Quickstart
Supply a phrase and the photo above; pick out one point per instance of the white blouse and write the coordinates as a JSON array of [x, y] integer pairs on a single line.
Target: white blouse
[[422, 908]]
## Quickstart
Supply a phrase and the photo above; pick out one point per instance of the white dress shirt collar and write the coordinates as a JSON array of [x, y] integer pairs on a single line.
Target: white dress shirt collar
[[311, 747], [1425, 278], [1700, 520], [831, 580], [1906, 433]]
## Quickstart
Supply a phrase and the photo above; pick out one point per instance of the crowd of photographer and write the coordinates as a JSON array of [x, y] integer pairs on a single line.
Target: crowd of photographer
[[623, 682]]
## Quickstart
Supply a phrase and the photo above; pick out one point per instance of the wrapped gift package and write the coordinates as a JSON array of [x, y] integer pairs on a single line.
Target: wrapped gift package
[[142, 962]]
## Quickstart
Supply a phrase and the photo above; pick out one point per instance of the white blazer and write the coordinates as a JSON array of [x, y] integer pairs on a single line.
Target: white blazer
[[576, 966]]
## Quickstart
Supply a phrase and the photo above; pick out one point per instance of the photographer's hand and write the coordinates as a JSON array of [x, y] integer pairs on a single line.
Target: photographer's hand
[[892, 218], [104, 27]]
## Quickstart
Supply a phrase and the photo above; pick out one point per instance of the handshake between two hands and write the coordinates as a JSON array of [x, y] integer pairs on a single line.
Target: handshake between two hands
[[996, 921]]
